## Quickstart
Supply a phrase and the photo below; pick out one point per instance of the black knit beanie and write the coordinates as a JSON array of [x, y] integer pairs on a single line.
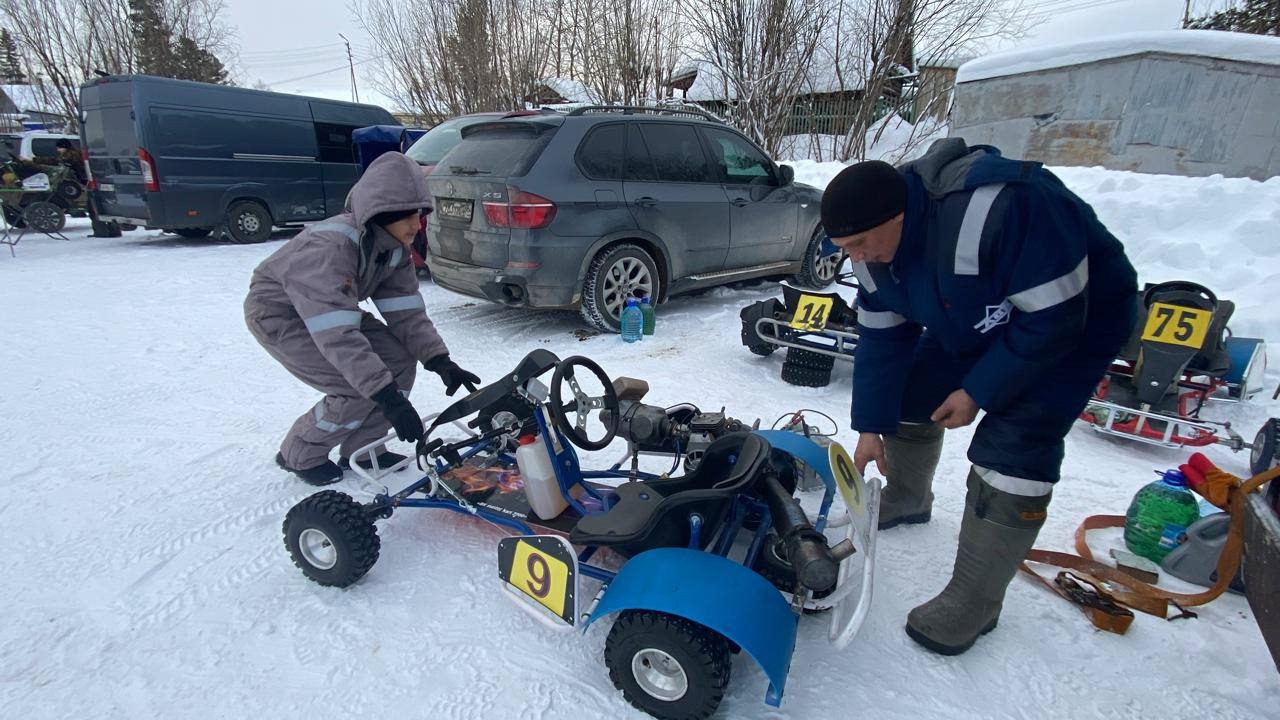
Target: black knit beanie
[[386, 218], [861, 197]]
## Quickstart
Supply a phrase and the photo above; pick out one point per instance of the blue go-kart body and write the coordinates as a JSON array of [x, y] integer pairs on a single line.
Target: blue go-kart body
[[692, 568]]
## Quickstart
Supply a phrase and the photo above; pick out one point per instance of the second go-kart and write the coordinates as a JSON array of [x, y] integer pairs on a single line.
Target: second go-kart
[[1182, 356], [693, 569]]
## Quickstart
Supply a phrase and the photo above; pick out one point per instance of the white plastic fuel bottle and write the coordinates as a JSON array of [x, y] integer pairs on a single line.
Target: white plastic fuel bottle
[[540, 485]]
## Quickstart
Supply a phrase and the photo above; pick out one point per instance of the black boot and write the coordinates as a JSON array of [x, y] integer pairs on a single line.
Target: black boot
[[386, 459], [325, 473]]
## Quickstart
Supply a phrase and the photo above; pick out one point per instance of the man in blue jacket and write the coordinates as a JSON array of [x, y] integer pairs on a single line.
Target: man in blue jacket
[[983, 284]]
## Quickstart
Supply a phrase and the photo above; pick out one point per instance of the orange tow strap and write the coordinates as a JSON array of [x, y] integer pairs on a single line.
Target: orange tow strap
[[1104, 593]]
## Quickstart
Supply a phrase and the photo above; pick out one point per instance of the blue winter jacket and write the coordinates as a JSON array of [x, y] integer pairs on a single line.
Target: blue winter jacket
[[1007, 269]]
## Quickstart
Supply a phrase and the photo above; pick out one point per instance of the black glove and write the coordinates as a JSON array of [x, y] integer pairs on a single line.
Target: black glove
[[400, 412], [451, 375]]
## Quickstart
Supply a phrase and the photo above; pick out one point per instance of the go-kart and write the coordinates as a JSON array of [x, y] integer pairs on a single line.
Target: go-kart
[[1181, 356], [817, 328], [720, 560]]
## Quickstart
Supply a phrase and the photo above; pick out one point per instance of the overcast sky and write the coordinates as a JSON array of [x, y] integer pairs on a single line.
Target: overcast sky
[[293, 45]]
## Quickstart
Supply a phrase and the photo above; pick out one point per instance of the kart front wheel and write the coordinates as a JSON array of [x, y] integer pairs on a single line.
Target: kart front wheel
[[669, 667], [331, 538]]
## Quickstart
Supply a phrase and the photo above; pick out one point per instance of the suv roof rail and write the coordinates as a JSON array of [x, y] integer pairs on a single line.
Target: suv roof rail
[[645, 110]]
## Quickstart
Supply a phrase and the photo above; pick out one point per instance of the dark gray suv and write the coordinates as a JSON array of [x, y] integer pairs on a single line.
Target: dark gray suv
[[586, 209]]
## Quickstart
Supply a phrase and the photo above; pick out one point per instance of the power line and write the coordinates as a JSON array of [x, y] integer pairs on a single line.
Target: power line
[[326, 72], [292, 51]]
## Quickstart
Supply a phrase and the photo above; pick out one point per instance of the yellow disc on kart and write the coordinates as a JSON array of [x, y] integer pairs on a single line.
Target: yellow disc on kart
[[847, 477]]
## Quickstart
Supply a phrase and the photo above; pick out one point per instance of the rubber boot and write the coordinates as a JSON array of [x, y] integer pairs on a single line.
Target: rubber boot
[[912, 455], [998, 530]]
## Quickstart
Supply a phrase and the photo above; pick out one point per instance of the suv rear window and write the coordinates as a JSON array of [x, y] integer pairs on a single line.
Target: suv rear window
[[497, 149]]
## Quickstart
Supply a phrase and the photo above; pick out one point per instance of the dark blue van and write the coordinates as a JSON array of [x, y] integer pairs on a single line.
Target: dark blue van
[[190, 157]]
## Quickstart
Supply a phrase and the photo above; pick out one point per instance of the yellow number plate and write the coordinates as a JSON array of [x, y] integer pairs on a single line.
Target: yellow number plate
[[812, 313], [1177, 325], [544, 569], [847, 477]]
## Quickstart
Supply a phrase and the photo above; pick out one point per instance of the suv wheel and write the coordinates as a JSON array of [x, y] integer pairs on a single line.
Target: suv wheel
[[617, 273], [818, 270], [248, 222]]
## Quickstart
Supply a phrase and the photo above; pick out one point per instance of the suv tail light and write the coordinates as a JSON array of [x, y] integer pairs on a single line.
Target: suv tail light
[[150, 177], [522, 210]]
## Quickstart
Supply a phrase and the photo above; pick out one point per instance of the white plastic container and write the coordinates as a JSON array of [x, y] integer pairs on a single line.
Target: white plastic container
[[539, 475]]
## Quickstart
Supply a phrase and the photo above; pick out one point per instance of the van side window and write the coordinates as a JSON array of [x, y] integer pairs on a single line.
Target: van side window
[[677, 153], [335, 143], [201, 134], [600, 156]]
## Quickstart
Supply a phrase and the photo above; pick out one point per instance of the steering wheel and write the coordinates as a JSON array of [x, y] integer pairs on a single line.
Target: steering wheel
[[583, 405]]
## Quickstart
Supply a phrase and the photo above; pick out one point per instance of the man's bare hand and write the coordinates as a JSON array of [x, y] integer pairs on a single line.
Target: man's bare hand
[[956, 411], [870, 447]]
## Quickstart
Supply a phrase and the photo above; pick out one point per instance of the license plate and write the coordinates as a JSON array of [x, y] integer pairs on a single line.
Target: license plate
[[812, 312], [107, 187], [454, 209], [1177, 325], [542, 569]]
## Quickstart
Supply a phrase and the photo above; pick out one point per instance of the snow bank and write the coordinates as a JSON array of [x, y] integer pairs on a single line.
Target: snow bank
[[1203, 43], [140, 510], [890, 138]]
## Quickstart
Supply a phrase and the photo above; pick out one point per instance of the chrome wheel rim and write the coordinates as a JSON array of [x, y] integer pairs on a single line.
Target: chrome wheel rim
[[825, 266], [317, 549], [659, 675], [624, 278]]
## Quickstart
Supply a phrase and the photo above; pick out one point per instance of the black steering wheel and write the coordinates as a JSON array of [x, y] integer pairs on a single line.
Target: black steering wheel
[[583, 405]]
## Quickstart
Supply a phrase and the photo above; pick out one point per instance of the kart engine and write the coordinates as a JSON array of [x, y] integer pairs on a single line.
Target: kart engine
[[683, 428]]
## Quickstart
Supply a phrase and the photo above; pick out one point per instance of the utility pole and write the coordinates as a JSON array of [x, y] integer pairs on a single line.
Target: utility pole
[[355, 92]]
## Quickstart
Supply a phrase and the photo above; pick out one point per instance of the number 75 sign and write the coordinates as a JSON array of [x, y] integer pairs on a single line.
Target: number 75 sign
[[1177, 325]]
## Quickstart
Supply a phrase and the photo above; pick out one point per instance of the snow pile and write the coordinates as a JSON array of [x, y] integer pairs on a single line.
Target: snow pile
[[890, 138], [1203, 43], [140, 509]]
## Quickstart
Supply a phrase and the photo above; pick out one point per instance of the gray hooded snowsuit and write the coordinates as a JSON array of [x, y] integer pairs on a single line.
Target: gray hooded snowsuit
[[303, 307]]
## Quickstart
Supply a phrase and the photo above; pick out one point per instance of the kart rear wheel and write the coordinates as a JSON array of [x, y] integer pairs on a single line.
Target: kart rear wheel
[[1266, 443], [809, 359], [762, 349], [331, 538], [669, 667]]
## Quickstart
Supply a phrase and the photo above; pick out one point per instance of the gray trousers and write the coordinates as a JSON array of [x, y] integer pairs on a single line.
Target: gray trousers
[[343, 418]]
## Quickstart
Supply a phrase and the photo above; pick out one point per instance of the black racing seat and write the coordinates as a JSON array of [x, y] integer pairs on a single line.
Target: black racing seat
[[1211, 358], [656, 514]]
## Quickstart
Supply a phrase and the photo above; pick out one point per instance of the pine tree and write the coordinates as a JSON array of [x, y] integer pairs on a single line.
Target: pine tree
[[152, 38], [1258, 17], [195, 63], [10, 60]]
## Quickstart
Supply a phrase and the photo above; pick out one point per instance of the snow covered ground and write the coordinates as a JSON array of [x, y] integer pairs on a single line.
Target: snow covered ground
[[140, 510]]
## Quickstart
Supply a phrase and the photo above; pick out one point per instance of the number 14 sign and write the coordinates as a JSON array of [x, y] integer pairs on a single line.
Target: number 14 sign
[[542, 569]]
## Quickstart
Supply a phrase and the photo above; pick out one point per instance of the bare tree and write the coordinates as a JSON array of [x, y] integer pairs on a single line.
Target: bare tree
[[760, 54], [65, 41], [876, 46], [448, 57]]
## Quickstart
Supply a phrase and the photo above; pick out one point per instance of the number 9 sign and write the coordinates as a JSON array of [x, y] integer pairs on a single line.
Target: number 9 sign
[[544, 569]]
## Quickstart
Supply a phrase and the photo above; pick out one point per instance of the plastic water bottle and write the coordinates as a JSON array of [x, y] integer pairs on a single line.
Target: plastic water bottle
[[1159, 516], [646, 311], [632, 321]]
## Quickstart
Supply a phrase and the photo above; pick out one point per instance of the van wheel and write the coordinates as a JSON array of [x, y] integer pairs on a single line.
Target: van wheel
[[617, 273], [193, 233], [248, 222]]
